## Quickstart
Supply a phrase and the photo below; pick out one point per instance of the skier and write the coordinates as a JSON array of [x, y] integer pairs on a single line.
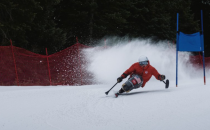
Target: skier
[[141, 70]]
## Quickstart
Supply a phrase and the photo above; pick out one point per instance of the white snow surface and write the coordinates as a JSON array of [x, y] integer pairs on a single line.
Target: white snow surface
[[86, 107]]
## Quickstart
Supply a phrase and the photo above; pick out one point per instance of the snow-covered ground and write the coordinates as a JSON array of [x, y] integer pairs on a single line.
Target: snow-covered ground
[[153, 107]]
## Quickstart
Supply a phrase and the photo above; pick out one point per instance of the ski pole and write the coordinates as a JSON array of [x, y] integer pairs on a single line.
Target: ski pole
[[164, 82], [110, 89]]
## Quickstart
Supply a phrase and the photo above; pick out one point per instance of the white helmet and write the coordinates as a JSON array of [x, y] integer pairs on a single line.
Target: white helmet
[[143, 60]]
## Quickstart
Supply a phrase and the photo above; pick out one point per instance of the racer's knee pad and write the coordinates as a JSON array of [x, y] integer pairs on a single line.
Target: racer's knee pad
[[126, 88]]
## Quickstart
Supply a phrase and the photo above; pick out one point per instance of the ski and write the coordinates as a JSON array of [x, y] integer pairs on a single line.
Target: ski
[[116, 95]]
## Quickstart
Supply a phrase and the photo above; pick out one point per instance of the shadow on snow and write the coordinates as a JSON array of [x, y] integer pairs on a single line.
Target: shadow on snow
[[143, 92]]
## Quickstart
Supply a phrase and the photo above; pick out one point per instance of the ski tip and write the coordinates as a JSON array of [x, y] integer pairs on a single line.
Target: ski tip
[[116, 95]]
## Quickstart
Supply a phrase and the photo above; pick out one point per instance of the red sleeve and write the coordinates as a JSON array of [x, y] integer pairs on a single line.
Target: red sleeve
[[155, 73], [128, 71], [143, 84]]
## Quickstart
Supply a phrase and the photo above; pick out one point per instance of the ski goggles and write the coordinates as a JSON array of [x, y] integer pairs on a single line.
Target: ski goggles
[[143, 63]]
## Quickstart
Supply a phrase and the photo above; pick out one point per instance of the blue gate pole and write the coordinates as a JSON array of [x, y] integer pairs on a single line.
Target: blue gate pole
[[202, 20], [177, 42], [204, 75]]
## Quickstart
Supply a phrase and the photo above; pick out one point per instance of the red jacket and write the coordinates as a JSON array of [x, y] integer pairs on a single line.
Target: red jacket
[[145, 72]]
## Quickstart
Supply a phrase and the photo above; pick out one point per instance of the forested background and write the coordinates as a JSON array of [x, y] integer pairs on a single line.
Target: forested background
[[55, 24]]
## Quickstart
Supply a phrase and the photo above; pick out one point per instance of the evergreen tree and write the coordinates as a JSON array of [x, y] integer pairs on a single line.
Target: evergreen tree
[[197, 6], [30, 25], [44, 33], [72, 16], [15, 19], [111, 18], [55, 24], [92, 19], [157, 19]]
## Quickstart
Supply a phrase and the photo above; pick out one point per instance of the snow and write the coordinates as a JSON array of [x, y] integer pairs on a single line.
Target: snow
[[153, 107]]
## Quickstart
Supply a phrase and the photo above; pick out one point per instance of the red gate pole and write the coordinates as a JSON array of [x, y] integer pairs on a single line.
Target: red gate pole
[[48, 64], [14, 63], [200, 58]]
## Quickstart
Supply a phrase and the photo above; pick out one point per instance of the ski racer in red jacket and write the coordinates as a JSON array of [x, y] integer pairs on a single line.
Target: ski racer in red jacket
[[144, 70]]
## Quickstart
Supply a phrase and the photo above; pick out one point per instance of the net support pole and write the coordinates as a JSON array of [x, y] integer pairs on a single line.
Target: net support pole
[[13, 55], [79, 61], [202, 42], [48, 66], [177, 43]]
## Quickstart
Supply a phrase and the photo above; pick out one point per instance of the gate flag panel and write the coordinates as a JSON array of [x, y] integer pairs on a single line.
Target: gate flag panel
[[190, 42]]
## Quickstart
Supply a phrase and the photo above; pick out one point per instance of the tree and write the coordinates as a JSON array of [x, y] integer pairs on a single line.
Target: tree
[[15, 19], [157, 19], [92, 19], [55, 24], [44, 32], [72, 16], [197, 6], [111, 18], [30, 25]]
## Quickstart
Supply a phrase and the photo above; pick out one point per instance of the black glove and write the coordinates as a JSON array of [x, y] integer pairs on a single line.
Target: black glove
[[162, 77], [119, 79]]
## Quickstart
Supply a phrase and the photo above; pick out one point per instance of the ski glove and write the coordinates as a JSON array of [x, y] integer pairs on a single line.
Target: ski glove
[[119, 79], [162, 77]]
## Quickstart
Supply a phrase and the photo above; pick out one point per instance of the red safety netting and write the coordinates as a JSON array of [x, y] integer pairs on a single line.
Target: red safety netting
[[7, 69], [67, 67], [197, 61]]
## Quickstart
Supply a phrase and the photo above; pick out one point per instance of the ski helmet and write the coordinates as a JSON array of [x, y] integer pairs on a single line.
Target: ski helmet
[[143, 60]]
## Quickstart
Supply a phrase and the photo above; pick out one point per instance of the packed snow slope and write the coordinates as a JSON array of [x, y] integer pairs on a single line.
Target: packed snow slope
[[153, 107]]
